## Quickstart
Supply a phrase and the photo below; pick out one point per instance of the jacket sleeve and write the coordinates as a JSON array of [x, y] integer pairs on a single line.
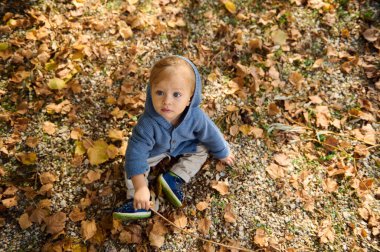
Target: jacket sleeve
[[139, 146], [209, 135]]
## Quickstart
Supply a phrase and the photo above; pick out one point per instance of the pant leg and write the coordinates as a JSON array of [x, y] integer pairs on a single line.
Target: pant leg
[[190, 163], [153, 161]]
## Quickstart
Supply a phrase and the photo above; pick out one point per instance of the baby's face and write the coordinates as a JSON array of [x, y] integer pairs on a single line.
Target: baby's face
[[172, 92]]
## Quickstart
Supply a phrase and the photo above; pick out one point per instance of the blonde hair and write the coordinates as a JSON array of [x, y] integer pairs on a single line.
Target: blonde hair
[[170, 61]]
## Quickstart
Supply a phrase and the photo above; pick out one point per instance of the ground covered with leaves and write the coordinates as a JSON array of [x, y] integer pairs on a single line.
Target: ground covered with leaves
[[293, 85]]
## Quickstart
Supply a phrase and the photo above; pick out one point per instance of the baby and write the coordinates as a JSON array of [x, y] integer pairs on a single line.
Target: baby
[[172, 125]]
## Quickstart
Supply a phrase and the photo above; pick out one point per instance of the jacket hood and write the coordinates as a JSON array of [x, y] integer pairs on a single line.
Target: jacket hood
[[195, 100]]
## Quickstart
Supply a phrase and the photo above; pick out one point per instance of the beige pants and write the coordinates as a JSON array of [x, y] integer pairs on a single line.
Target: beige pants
[[186, 167]]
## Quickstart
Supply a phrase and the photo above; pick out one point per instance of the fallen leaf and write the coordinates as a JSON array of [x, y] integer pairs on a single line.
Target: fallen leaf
[[32, 142], [49, 128], [229, 215], [204, 225], [275, 171], [279, 37], [97, 154], [273, 109], [371, 34], [91, 177], [132, 234], [363, 212], [282, 159], [157, 234], [88, 229], [230, 6], [27, 158], [260, 238], [202, 206], [234, 130], [330, 185], [361, 150], [296, 79], [257, 132], [77, 215], [10, 202], [10, 191], [323, 116], [115, 135], [38, 215], [55, 223], [315, 99], [24, 221], [47, 177], [56, 84], [326, 232], [221, 187], [180, 220]]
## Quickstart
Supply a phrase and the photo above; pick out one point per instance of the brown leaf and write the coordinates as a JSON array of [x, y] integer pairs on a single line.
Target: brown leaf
[[32, 142], [279, 37], [371, 34], [257, 132], [77, 215], [282, 159], [88, 229], [221, 187], [204, 225], [273, 109], [10, 191], [202, 206], [132, 234], [45, 189], [180, 220], [112, 151], [49, 128], [27, 158], [55, 223], [220, 166], [315, 99], [38, 215], [10, 202], [364, 213], [91, 177], [234, 130], [323, 116], [157, 234], [275, 171], [229, 215], [24, 221], [296, 79], [361, 150], [47, 177], [76, 134], [330, 185], [326, 232], [260, 238]]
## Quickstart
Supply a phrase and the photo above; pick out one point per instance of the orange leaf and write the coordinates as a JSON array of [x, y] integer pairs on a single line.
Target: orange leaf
[[24, 221], [260, 238], [10, 202], [202, 206], [88, 229], [221, 187], [47, 178], [55, 223], [77, 215], [49, 128]]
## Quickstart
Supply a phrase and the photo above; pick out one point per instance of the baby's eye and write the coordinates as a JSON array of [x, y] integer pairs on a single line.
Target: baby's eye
[[159, 93], [177, 94]]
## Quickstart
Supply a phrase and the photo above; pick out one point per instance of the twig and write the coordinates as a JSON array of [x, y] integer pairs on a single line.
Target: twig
[[200, 238]]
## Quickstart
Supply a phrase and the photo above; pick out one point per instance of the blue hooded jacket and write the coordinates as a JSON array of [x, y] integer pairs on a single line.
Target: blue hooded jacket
[[153, 135]]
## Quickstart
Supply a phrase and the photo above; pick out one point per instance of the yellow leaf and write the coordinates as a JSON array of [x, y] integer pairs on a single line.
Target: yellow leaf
[[79, 148], [97, 154], [56, 83], [115, 135], [230, 6], [28, 158], [4, 46], [279, 37], [112, 151]]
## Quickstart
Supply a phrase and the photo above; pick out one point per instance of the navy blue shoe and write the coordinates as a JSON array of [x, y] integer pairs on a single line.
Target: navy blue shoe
[[171, 184], [127, 212]]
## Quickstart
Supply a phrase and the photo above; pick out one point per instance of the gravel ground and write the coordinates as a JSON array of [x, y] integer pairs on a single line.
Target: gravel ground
[[292, 212]]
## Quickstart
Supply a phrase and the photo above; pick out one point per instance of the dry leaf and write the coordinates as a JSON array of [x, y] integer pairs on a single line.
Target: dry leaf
[[230, 6], [229, 215], [326, 232], [323, 116], [180, 220], [115, 135], [202, 206], [55, 223], [38, 215], [296, 79], [315, 99], [91, 176], [279, 37], [24, 221], [49, 128], [77, 215], [10, 191], [10, 202], [330, 185], [234, 130], [273, 109], [56, 83], [260, 238], [221, 187], [132, 234], [76, 134], [204, 226], [97, 154], [88, 229], [47, 178], [275, 171], [371, 34], [157, 234], [364, 213], [27, 158], [257, 132], [282, 159], [32, 142], [45, 189]]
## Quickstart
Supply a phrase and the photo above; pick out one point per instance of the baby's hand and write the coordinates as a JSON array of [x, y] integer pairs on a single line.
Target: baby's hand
[[141, 198], [230, 159]]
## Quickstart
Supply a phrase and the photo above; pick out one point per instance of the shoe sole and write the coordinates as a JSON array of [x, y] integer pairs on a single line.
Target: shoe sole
[[132, 216], [168, 192]]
